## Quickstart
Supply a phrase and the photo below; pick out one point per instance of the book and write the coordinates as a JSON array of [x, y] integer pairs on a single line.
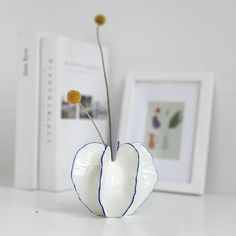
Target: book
[[49, 130], [27, 119], [68, 64]]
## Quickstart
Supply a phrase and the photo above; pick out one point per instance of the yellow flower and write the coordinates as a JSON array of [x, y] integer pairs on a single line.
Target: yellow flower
[[100, 19], [74, 97]]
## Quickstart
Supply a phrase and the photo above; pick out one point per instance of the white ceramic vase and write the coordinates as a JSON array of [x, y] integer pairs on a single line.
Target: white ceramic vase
[[113, 188]]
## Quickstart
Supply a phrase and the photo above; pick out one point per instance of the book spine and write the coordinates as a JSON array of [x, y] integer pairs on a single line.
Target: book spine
[[48, 120], [27, 114]]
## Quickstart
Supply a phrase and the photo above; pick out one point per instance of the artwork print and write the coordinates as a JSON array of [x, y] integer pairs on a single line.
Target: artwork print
[[96, 109], [163, 131]]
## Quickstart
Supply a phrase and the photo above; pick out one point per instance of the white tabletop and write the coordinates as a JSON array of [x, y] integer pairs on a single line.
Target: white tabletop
[[30, 213]]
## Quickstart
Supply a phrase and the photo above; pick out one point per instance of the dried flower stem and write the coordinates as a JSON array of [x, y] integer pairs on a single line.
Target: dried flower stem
[[90, 117], [107, 92]]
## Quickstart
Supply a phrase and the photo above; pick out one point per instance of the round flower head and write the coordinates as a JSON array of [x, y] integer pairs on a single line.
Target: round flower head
[[100, 19], [74, 97]]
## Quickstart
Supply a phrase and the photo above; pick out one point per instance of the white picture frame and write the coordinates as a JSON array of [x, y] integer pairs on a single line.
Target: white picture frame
[[176, 85]]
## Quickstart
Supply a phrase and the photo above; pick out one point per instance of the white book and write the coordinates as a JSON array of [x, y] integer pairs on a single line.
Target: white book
[[27, 114], [68, 64]]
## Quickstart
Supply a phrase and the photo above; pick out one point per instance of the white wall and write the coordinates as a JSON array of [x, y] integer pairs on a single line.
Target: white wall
[[142, 34]]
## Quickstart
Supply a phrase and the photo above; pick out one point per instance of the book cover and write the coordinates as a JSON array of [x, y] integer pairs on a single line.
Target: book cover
[[27, 114], [68, 64]]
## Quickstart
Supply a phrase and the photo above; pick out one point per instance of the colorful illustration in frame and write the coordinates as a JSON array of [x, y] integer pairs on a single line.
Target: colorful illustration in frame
[[164, 129]]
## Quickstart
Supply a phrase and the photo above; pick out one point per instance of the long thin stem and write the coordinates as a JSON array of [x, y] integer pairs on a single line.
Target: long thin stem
[[90, 117], [107, 92]]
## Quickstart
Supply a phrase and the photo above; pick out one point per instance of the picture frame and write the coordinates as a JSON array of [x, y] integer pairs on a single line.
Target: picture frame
[[170, 114]]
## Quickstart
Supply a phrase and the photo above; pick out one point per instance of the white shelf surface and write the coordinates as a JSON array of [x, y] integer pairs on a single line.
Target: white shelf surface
[[32, 213]]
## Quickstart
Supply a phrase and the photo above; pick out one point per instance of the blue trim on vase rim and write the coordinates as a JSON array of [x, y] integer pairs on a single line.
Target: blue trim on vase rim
[[100, 180], [136, 180], [118, 146], [71, 175], [136, 143]]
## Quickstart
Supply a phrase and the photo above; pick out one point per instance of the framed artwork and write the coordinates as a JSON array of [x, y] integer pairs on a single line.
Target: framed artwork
[[170, 114]]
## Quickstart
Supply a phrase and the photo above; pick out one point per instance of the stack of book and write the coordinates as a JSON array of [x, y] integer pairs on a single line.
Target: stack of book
[[49, 131]]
